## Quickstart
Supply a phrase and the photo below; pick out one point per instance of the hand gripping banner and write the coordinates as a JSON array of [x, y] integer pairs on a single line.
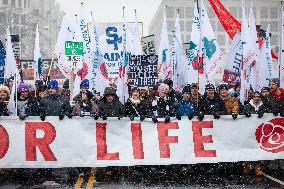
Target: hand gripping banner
[[84, 142]]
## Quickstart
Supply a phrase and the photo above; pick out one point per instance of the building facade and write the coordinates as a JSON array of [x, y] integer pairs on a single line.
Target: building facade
[[23, 15], [266, 11]]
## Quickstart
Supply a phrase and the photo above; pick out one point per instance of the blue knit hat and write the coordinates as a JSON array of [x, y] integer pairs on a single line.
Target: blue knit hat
[[53, 84], [85, 83]]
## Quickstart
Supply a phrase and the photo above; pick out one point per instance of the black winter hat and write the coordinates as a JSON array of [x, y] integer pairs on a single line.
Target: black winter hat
[[209, 86], [236, 86], [169, 82], [186, 89], [224, 86], [89, 94], [135, 89], [109, 91], [265, 88]]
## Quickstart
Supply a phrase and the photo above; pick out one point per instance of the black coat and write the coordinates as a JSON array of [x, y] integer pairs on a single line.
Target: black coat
[[162, 107], [3, 109], [55, 105], [212, 106], [133, 109], [111, 109], [251, 109]]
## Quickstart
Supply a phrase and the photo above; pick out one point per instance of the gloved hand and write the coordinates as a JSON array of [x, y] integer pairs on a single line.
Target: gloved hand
[[119, 117], [235, 116], [178, 117], [22, 117], [70, 116], [167, 119], [131, 118], [275, 113], [248, 114], [200, 116], [155, 119], [190, 116], [104, 117], [42, 117], [282, 113], [96, 117], [260, 114], [61, 117], [142, 118], [216, 116]]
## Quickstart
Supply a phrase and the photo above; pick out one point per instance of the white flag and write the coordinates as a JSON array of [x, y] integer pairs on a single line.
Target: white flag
[[180, 74], [38, 70], [65, 34], [255, 49], [164, 52], [282, 49], [212, 55], [137, 48]]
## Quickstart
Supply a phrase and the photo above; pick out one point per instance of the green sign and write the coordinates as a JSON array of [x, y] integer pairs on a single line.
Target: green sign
[[73, 48]]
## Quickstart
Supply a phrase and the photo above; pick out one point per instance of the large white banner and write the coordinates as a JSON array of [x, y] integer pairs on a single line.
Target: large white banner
[[84, 142]]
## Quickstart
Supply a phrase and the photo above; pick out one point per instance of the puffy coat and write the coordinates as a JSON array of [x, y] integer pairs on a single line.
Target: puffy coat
[[83, 109], [212, 106], [29, 106], [231, 105], [3, 109], [162, 107], [186, 107], [55, 105], [134, 107], [251, 108]]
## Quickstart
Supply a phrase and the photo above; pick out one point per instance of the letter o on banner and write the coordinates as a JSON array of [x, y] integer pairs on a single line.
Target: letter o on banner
[[4, 141]]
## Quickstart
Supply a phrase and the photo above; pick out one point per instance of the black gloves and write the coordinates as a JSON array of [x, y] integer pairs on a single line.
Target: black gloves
[[275, 113], [142, 118], [260, 114], [96, 117], [282, 113], [248, 114], [104, 117], [119, 117], [234, 116], [178, 117], [131, 118], [154, 119], [22, 117], [200, 116], [216, 116], [167, 119], [61, 117], [70, 116], [42, 117], [190, 116]]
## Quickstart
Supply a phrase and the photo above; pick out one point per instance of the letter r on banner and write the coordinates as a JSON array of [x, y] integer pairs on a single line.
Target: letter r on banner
[[42, 143], [4, 141], [102, 153], [199, 139], [165, 139]]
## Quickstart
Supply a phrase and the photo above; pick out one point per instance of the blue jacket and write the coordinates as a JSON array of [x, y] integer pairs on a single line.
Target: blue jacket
[[186, 107]]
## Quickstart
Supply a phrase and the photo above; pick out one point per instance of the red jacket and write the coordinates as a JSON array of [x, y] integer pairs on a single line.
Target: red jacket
[[277, 96]]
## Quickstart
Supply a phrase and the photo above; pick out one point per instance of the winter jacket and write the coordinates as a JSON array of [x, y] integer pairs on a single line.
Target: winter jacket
[[83, 109], [186, 107], [55, 105], [251, 108], [231, 105], [135, 108], [28, 106], [277, 96], [162, 107], [212, 106], [3, 109], [271, 105]]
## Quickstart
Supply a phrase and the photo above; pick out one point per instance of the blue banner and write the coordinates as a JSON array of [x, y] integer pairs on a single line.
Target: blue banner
[[2, 62]]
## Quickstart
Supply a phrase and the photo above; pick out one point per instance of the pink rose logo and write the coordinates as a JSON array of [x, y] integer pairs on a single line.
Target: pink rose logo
[[270, 136]]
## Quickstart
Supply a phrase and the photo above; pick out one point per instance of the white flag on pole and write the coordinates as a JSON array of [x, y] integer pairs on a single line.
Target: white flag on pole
[[137, 48]]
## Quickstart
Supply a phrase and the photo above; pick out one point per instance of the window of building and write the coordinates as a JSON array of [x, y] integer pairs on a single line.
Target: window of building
[[234, 11], [263, 12], [264, 24], [274, 40], [188, 26], [219, 27], [273, 12], [5, 2], [13, 3], [25, 4], [181, 12], [211, 12], [181, 23], [189, 12], [19, 3], [213, 24], [170, 12], [221, 39], [274, 26], [171, 26]]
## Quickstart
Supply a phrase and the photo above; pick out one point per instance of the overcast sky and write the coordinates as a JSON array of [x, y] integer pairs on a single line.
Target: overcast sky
[[111, 10]]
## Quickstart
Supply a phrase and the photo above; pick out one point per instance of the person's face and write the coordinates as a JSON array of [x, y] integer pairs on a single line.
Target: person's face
[[210, 93], [238, 90], [84, 97], [224, 92], [52, 91], [143, 92], [265, 92], [109, 98], [250, 94], [3, 95], [11, 82], [162, 94], [186, 96], [41, 94], [194, 90], [256, 99], [25, 94], [83, 89], [273, 86], [135, 95]]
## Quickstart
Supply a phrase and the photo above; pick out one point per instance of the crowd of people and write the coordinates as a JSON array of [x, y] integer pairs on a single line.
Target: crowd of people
[[160, 101]]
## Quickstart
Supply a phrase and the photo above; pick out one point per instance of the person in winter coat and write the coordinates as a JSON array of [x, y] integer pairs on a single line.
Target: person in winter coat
[[110, 106], [231, 103], [84, 86], [86, 106], [135, 106], [255, 106], [195, 95], [54, 104], [186, 106], [163, 106], [172, 94], [4, 98], [211, 104]]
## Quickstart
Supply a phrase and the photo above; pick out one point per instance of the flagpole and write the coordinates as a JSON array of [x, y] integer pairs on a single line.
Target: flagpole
[[198, 57]]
